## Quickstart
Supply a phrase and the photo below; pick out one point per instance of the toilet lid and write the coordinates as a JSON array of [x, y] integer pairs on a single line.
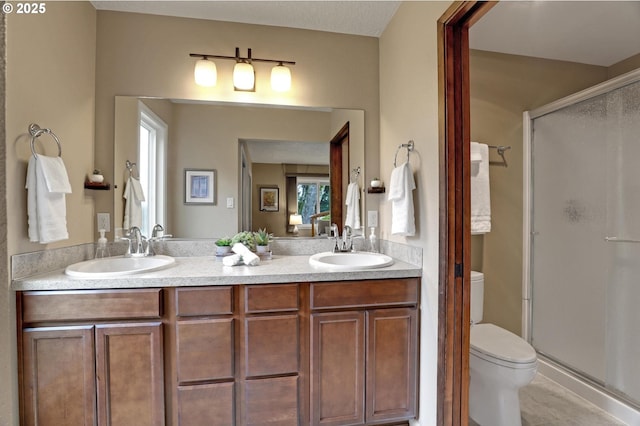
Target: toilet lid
[[499, 344]]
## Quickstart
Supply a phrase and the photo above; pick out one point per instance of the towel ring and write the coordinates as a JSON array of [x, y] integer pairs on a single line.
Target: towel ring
[[409, 146], [36, 132]]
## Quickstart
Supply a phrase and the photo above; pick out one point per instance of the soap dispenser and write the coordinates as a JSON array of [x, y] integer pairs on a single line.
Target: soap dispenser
[[373, 240], [102, 249]]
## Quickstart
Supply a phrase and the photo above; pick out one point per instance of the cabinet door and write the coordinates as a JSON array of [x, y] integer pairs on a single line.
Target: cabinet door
[[59, 378], [129, 370], [337, 368], [391, 364]]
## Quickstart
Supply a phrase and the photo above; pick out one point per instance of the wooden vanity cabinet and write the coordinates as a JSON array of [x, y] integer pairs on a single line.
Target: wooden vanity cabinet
[[237, 355], [364, 351], [91, 357]]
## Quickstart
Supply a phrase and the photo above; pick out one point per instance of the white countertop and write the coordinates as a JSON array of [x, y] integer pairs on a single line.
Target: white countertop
[[209, 270]]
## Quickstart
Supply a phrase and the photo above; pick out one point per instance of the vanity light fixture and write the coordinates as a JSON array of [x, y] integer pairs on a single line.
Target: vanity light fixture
[[205, 73]]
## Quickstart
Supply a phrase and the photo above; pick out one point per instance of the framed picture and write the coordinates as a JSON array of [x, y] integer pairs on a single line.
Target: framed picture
[[199, 186], [269, 199]]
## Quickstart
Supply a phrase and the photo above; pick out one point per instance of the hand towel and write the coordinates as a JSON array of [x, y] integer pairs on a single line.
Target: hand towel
[[47, 184], [249, 258], [401, 186], [352, 201], [480, 194], [233, 260], [134, 196]]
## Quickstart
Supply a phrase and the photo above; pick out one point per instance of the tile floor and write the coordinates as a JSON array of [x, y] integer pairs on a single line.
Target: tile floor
[[545, 403]]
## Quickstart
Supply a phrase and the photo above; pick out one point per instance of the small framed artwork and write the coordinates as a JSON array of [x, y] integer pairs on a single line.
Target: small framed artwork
[[269, 199], [199, 186]]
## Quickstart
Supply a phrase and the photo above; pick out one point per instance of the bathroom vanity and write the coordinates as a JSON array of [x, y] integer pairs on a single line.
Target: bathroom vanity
[[199, 344]]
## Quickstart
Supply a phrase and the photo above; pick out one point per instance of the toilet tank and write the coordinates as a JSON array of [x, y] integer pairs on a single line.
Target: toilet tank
[[477, 296]]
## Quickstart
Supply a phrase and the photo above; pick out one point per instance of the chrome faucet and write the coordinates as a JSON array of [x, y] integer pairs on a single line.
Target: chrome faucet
[[344, 244], [136, 242], [157, 234]]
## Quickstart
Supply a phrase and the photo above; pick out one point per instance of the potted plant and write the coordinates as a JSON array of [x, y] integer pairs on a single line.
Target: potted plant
[[96, 176], [246, 238], [223, 246], [262, 239]]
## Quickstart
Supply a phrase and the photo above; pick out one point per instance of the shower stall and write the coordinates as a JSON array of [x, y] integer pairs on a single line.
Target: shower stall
[[581, 294]]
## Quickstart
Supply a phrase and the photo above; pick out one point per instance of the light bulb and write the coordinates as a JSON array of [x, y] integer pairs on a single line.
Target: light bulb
[[205, 73]]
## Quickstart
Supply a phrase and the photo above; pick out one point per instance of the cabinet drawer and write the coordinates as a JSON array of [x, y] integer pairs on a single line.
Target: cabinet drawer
[[204, 301], [271, 345], [210, 405], [271, 402], [40, 306], [271, 298], [364, 293], [205, 350]]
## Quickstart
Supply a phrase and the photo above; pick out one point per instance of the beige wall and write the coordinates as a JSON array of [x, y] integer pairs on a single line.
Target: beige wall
[[502, 88], [629, 64], [50, 81], [148, 55], [409, 110]]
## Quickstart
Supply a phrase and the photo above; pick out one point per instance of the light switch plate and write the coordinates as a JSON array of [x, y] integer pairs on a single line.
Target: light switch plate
[[229, 202], [372, 218], [104, 221]]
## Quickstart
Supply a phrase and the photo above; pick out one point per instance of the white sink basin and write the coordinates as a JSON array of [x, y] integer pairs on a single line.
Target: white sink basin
[[349, 261], [118, 266]]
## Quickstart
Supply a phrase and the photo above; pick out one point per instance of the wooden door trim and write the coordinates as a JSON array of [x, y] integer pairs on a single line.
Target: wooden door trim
[[336, 164], [455, 200]]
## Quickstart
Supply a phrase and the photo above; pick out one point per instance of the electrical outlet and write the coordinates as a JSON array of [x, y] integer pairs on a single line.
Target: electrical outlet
[[372, 218], [104, 222]]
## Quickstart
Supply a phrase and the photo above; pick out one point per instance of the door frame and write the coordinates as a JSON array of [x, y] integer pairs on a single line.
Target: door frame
[[455, 200]]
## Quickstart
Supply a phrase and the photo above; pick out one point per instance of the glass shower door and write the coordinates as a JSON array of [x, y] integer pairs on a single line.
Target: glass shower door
[[585, 248]]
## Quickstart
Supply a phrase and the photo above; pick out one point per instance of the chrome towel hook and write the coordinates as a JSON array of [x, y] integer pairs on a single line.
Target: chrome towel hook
[[36, 131]]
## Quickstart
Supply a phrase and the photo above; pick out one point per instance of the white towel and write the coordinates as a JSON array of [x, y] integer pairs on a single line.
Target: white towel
[[249, 258], [352, 201], [401, 186], [134, 196], [47, 184], [233, 260], [480, 194]]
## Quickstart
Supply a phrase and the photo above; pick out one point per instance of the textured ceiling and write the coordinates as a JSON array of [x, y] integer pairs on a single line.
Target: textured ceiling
[[368, 18]]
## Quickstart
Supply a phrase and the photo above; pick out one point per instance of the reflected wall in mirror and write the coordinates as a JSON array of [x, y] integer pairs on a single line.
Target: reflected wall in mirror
[[248, 146]]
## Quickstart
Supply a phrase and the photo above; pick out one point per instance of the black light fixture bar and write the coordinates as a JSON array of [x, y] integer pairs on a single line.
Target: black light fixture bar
[[239, 58]]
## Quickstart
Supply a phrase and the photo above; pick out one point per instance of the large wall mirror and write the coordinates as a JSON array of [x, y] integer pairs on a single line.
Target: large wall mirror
[[212, 169]]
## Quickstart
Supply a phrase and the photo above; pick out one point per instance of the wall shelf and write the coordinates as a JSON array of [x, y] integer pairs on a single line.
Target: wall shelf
[[102, 186], [377, 190]]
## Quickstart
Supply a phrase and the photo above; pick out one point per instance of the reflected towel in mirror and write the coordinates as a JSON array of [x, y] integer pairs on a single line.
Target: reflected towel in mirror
[[134, 196], [352, 201]]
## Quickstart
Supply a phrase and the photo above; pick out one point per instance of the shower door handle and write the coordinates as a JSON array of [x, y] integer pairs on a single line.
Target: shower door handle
[[620, 240]]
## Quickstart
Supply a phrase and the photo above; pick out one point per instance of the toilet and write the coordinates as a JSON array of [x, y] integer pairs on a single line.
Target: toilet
[[500, 363]]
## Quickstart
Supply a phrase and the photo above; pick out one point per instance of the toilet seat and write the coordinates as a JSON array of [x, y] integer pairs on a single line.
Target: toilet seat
[[499, 346]]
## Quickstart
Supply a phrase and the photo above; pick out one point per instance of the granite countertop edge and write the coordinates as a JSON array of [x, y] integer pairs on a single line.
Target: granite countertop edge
[[209, 270]]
